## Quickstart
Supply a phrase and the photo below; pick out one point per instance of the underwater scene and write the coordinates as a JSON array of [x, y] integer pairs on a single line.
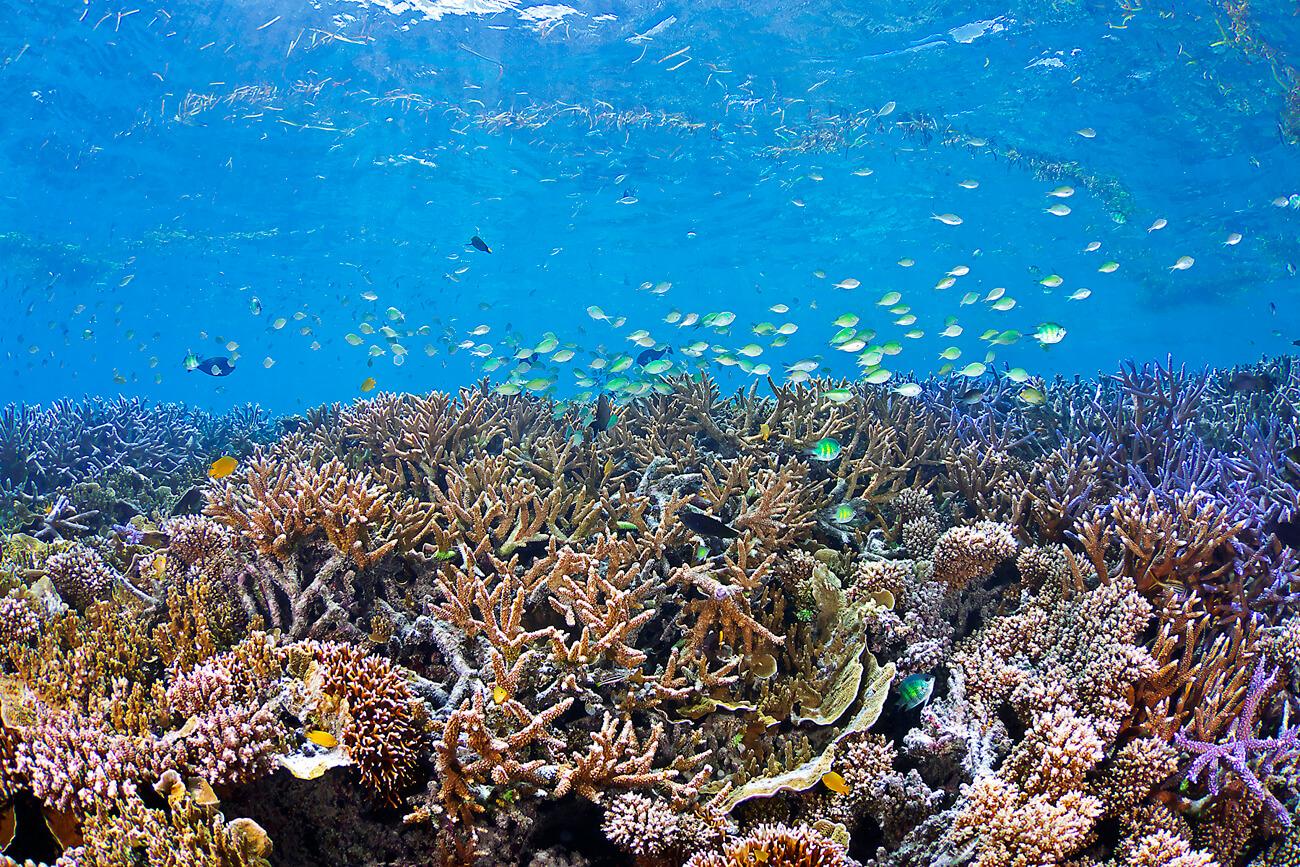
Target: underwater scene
[[808, 433]]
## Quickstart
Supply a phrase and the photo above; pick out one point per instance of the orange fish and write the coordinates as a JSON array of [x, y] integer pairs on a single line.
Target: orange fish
[[222, 467], [837, 784], [322, 739]]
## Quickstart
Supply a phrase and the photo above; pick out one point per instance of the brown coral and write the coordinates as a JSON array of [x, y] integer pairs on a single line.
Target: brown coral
[[776, 844], [80, 575], [375, 712], [966, 554]]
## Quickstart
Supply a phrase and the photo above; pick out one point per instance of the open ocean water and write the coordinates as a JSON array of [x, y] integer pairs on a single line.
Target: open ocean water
[[496, 433], [182, 177]]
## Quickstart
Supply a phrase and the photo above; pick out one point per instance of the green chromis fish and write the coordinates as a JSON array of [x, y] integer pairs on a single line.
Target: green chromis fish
[[1033, 395], [1049, 333], [825, 449], [915, 690], [845, 513], [191, 361]]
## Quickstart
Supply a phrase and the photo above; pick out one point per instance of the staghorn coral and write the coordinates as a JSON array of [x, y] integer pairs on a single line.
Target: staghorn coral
[[1244, 746], [279, 504], [499, 627]]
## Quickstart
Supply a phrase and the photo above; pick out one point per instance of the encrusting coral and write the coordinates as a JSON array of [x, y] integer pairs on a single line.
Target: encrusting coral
[[479, 629]]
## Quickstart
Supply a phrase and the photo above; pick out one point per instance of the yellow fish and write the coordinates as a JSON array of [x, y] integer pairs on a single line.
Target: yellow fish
[[322, 739], [837, 784], [368, 384], [764, 431], [222, 467], [499, 694]]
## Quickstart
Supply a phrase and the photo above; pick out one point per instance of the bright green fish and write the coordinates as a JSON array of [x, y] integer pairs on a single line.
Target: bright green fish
[[838, 395], [844, 513], [825, 449], [915, 690], [1049, 333]]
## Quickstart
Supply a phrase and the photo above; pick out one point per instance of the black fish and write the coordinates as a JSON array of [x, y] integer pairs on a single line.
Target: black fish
[[706, 525], [219, 366], [649, 355], [1288, 532], [600, 419], [479, 244], [1245, 382], [190, 503]]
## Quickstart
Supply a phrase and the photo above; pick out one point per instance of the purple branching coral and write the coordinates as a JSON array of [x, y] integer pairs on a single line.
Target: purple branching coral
[[1243, 746]]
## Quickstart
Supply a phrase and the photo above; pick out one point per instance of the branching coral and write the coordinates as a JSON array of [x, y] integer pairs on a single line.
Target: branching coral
[[496, 617], [776, 844], [1243, 747]]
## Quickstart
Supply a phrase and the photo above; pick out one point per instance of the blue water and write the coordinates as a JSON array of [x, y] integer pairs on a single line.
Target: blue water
[[162, 165]]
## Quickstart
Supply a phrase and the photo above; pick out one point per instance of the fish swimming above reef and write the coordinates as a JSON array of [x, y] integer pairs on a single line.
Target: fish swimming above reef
[[648, 355], [479, 244], [706, 525], [601, 418], [825, 449], [222, 467], [1049, 333], [217, 366], [1248, 382]]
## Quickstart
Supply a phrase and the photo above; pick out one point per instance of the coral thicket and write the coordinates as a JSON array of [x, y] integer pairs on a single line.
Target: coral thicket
[[476, 628]]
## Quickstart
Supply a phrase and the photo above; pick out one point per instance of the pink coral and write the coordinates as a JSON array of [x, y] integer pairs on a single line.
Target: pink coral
[[80, 575], [72, 762], [966, 554], [642, 825], [230, 744], [19, 623]]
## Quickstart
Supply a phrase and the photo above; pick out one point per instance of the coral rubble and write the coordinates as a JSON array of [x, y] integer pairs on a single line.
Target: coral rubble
[[476, 629]]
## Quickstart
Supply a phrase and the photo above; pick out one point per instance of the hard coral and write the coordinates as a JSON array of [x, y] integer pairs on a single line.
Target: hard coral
[[965, 554], [375, 712], [776, 844], [80, 575]]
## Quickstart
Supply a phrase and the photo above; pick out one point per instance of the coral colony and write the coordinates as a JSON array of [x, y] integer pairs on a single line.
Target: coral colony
[[819, 626]]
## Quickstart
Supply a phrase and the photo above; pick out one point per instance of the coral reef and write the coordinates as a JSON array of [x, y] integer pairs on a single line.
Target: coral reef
[[474, 629]]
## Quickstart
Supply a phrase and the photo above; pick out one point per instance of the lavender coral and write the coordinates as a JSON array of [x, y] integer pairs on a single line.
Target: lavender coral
[[457, 626]]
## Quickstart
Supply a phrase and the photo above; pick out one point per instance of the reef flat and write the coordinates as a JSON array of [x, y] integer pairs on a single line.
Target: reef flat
[[815, 625]]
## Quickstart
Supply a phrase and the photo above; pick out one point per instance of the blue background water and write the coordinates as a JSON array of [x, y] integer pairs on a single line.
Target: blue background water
[[163, 164]]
